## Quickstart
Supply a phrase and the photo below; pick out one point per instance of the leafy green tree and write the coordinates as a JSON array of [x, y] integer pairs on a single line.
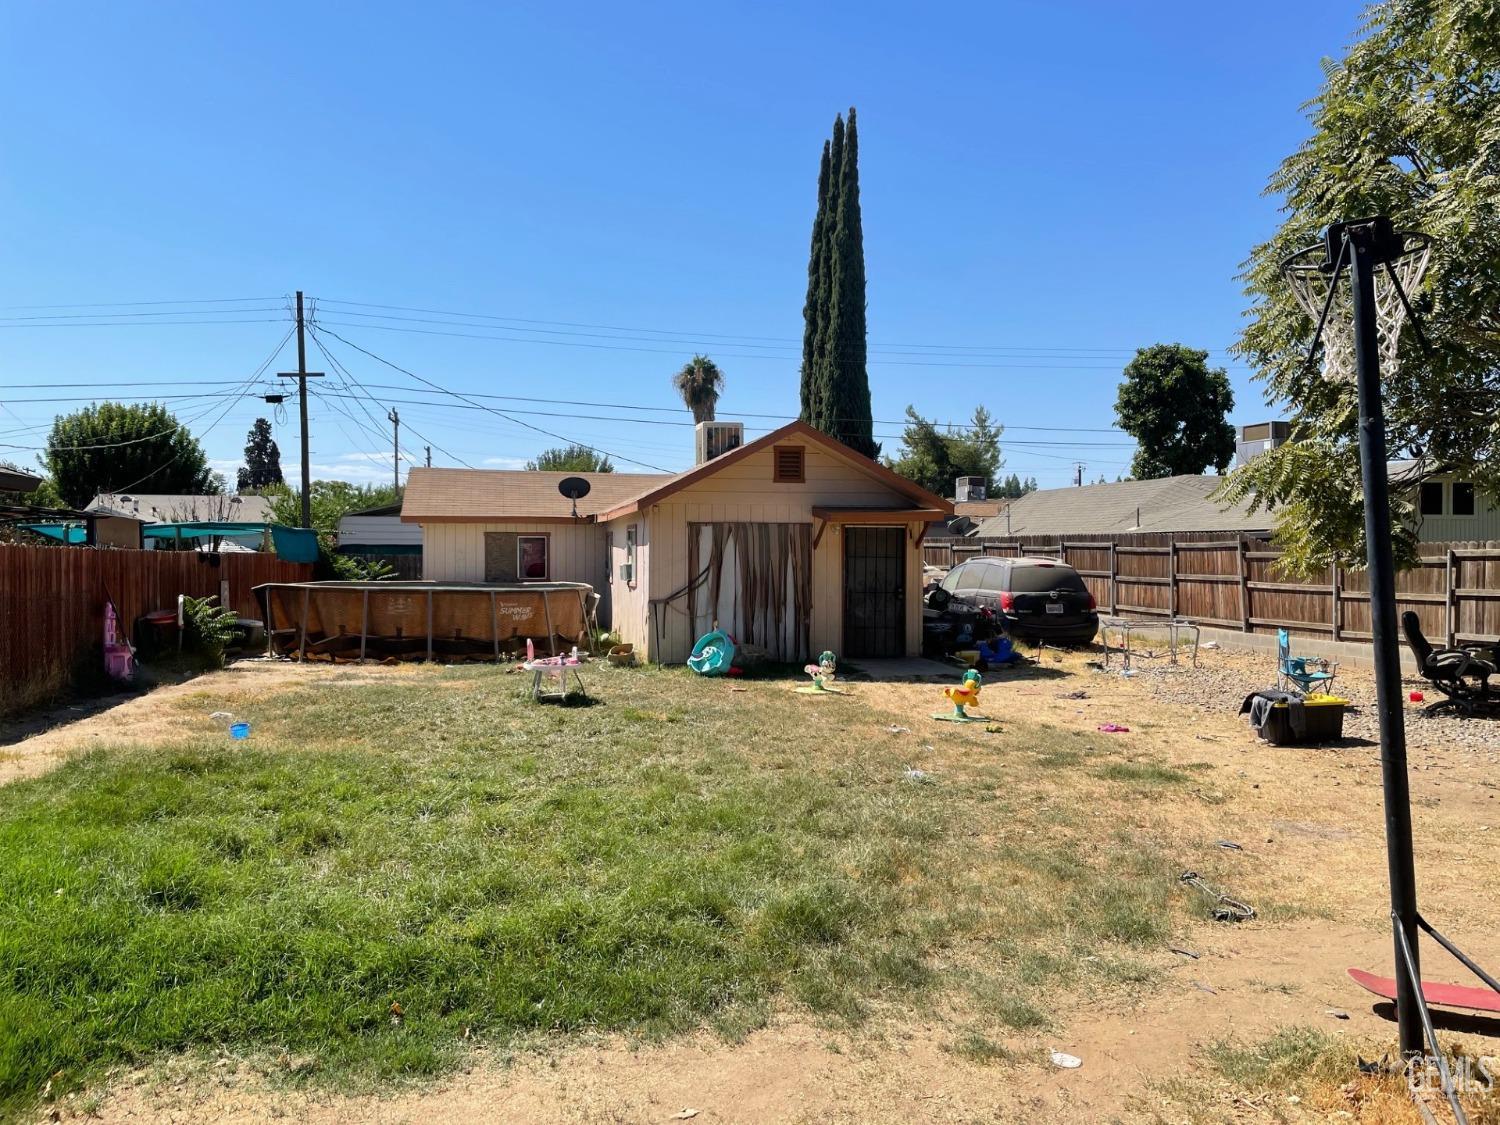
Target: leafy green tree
[[1176, 408], [329, 501], [572, 459], [699, 383], [935, 459], [262, 467], [1408, 125], [112, 447], [835, 384]]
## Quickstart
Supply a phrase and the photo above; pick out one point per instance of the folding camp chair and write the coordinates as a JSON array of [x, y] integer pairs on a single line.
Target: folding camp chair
[[1293, 673]]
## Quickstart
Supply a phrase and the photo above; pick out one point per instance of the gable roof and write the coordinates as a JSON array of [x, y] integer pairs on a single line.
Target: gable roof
[[1167, 504], [500, 495], [496, 495], [156, 507], [663, 488]]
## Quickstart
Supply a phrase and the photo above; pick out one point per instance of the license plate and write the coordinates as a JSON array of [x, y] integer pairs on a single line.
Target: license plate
[[1055, 607]]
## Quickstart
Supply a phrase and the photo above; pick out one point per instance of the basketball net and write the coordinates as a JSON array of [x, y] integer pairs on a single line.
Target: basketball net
[[1310, 279]]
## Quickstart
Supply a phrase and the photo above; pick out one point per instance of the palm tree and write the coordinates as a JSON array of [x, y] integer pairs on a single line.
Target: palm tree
[[699, 382]]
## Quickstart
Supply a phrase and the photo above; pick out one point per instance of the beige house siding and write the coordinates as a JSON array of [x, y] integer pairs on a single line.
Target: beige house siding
[[745, 492], [628, 599], [454, 552]]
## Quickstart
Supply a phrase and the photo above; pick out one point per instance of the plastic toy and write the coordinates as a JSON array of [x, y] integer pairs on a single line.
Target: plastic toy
[[713, 654], [963, 696], [822, 674]]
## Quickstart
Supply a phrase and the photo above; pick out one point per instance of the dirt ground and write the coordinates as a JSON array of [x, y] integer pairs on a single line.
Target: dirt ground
[[1309, 827]]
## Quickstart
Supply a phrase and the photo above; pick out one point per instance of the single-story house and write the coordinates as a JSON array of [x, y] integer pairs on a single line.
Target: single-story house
[[1167, 504], [165, 508], [1448, 509], [792, 542], [379, 534]]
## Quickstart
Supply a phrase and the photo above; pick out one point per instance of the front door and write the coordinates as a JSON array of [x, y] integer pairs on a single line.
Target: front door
[[874, 591]]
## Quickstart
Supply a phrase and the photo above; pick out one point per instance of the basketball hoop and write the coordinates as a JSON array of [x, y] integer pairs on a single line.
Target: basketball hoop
[[1316, 276]]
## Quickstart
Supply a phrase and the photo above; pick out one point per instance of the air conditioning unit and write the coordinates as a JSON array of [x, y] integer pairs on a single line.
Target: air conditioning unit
[[627, 572], [714, 439]]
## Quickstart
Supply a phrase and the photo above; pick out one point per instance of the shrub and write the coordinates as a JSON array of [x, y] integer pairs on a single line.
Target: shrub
[[207, 629]]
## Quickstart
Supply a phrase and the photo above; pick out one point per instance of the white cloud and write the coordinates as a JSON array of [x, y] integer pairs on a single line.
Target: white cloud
[[505, 462]]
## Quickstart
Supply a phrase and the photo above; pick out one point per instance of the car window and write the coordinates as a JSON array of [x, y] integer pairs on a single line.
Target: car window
[[1040, 579], [952, 578], [993, 580]]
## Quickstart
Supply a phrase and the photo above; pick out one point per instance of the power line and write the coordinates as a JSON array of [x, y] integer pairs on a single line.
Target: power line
[[490, 409], [345, 373], [135, 304], [787, 340], [730, 355], [133, 315], [144, 324]]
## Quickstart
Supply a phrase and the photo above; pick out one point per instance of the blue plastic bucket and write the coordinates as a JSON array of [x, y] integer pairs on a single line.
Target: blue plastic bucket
[[239, 731]]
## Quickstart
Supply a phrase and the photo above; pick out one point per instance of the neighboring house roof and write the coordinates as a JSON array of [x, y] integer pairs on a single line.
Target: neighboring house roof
[[664, 487], [479, 495], [166, 508], [494, 495], [382, 510], [13, 478], [1166, 504]]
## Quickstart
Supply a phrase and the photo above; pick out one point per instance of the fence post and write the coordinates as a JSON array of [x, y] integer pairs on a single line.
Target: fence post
[[1114, 571], [1450, 598], [1244, 586], [1338, 601], [1172, 581]]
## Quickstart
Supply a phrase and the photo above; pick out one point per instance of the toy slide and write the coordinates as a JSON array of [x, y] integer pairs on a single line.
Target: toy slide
[[1443, 995]]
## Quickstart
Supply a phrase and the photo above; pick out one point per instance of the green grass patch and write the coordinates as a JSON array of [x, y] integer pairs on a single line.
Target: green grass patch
[[390, 872], [1141, 773]]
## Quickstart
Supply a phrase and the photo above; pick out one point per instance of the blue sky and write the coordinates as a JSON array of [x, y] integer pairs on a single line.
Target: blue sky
[[1046, 187]]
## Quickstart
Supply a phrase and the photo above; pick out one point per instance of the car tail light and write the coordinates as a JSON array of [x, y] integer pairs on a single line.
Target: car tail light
[[1093, 602], [1007, 601]]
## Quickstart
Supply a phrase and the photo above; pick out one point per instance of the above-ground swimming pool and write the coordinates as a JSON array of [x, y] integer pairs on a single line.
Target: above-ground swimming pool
[[425, 620]]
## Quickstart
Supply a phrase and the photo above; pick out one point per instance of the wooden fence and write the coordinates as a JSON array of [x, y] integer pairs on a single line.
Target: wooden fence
[[52, 598], [1234, 583]]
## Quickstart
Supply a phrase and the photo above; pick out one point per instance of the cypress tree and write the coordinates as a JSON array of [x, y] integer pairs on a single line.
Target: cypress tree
[[815, 307], [835, 384]]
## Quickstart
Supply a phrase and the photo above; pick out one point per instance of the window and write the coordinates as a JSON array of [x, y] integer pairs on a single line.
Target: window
[[1432, 498], [531, 557], [1041, 579], [1463, 498], [609, 558], [789, 464], [953, 578], [500, 556], [991, 579]]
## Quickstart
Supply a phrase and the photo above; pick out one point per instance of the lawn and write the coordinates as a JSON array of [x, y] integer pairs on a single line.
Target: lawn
[[392, 872]]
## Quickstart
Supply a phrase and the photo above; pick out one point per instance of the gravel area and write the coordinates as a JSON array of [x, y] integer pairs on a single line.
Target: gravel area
[[1224, 677]]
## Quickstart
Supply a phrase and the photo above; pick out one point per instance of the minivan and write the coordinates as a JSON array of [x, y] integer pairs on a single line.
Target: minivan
[[1031, 599]]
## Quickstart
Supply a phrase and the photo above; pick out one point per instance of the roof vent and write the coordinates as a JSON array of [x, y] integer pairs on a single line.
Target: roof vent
[[714, 439]]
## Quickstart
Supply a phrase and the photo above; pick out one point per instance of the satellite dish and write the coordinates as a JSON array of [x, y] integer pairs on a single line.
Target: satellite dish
[[575, 489]]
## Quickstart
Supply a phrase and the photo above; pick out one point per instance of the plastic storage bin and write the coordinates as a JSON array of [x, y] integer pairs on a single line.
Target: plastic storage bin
[[1325, 722]]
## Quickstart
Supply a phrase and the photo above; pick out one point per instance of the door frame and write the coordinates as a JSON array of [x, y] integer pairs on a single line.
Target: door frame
[[901, 642]]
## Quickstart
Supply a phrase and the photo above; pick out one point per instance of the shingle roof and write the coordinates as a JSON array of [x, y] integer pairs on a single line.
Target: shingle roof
[[160, 508], [1167, 504], [471, 495]]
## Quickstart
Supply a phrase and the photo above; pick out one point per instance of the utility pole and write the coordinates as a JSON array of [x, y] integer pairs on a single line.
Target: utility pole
[[302, 375], [429, 455], [1078, 468], [395, 418]]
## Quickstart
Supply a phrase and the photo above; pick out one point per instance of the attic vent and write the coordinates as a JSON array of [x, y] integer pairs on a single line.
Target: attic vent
[[789, 464]]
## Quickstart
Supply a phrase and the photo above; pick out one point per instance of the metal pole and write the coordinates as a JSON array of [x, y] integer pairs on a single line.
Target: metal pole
[[302, 374], [302, 412], [395, 418], [1382, 567]]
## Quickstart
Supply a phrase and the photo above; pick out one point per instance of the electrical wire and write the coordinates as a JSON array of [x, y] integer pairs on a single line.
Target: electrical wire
[[490, 409]]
